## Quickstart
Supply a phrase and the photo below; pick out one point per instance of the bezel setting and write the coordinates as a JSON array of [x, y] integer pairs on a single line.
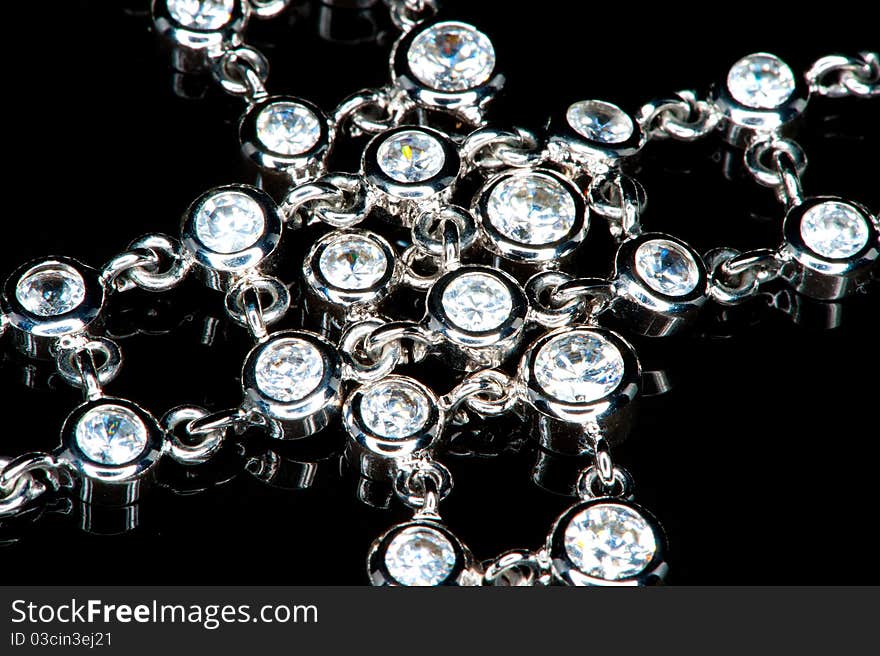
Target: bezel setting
[[585, 150], [211, 41]]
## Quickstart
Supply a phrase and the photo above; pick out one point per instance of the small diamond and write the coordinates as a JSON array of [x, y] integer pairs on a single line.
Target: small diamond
[[229, 222], [420, 555], [110, 434], [201, 14], [760, 81], [600, 121], [477, 302], [50, 289], [451, 56], [610, 541], [394, 409], [666, 267], [531, 208], [289, 369], [411, 156], [288, 128], [578, 367], [834, 230], [353, 262]]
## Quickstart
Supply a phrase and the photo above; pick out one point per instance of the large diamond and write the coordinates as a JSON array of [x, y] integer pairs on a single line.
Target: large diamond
[[760, 81], [201, 14], [411, 156], [610, 541], [289, 369], [600, 121], [394, 409], [110, 434], [477, 302], [531, 208], [451, 56], [666, 267], [229, 222], [353, 262], [578, 367], [50, 289], [420, 555], [834, 230], [288, 128]]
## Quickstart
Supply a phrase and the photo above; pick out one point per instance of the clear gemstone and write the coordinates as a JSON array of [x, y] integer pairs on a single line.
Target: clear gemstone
[[834, 230], [50, 289], [531, 208], [760, 81], [201, 14], [666, 267], [411, 156], [229, 222], [288, 128], [289, 369], [600, 121], [477, 302], [110, 434], [353, 262], [451, 56], [610, 541], [578, 367], [420, 555], [394, 408]]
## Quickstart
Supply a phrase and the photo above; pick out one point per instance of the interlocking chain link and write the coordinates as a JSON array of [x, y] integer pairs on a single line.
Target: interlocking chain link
[[683, 117], [838, 76]]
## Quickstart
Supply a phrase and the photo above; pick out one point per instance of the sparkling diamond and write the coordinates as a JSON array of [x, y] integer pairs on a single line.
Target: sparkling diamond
[[600, 121], [289, 369], [353, 262], [451, 56], [50, 289], [578, 367], [531, 208], [288, 128], [834, 230], [394, 409], [411, 156], [610, 541], [760, 81], [666, 267], [110, 434], [229, 222], [420, 555], [477, 302], [201, 14]]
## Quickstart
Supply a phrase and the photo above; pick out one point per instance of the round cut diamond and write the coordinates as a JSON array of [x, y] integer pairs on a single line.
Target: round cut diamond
[[289, 369], [531, 208], [760, 81], [600, 121], [420, 555], [411, 156], [229, 222], [578, 367], [610, 541], [353, 262], [451, 56], [477, 302], [201, 14], [110, 434], [834, 230], [394, 409], [50, 289], [666, 267], [288, 128]]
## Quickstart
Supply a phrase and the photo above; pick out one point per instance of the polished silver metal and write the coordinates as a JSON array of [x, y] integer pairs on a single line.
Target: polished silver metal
[[683, 117], [621, 199], [422, 483], [543, 310], [172, 269], [838, 76], [184, 447], [104, 360], [242, 71], [568, 146], [736, 276], [337, 199], [255, 301], [487, 393], [429, 234], [357, 363], [592, 485], [761, 158], [491, 148], [517, 567], [112, 273], [19, 489], [199, 46]]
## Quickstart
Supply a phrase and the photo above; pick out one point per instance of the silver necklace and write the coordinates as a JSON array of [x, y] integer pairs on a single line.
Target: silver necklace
[[526, 338]]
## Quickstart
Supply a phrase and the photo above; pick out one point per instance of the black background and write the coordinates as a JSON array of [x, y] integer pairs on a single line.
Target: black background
[[760, 462]]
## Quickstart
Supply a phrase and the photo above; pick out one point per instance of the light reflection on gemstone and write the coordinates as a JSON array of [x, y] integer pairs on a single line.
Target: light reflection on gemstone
[[353, 262], [110, 434], [420, 556], [411, 156], [201, 14], [451, 56], [834, 230], [288, 128], [477, 302], [51, 289], [394, 408], [666, 267], [578, 367], [761, 81], [289, 369], [229, 222], [531, 208], [600, 121]]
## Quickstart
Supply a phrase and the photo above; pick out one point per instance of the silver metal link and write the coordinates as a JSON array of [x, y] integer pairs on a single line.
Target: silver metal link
[[173, 265], [337, 199], [517, 567], [357, 363], [185, 446], [18, 485], [396, 332], [488, 393], [243, 71], [428, 230], [838, 76], [406, 14], [412, 256], [90, 364], [115, 272], [369, 111], [542, 310], [737, 276], [597, 293], [621, 199], [492, 148], [244, 303], [683, 117], [421, 484], [590, 484], [761, 159]]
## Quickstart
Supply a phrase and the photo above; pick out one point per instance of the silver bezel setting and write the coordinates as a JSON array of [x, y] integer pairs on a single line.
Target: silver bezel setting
[[583, 149], [300, 417], [566, 572], [211, 41], [531, 253]]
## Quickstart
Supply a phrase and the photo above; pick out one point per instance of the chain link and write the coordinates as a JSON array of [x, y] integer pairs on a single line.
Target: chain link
[[838, 76], [621, 199], [493, 148], [736, 277], [243, 72], [683, 117], [488, 393], [337, 199]]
